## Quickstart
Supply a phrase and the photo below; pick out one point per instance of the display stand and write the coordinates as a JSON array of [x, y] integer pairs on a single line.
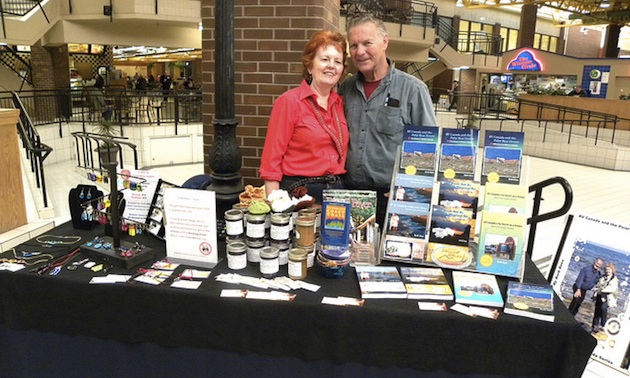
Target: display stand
[[114, 256]]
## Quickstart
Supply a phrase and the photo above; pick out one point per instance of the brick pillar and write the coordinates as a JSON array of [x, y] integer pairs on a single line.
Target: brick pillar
[[269, 39], [612, 41], [50, 70], [527, 26]]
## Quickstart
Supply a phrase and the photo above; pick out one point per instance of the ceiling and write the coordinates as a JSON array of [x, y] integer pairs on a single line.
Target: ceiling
[[570, 12], [148, 54]]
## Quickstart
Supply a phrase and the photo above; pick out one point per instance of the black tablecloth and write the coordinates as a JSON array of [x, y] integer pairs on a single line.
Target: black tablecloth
[[382, 333]]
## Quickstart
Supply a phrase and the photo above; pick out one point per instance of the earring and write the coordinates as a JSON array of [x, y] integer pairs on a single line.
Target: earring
[[81, 195], [84, 215], [89, 194]]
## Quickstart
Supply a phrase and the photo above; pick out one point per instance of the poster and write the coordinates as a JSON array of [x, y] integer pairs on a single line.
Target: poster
[[588, 239], [191, 226], [138, 188]]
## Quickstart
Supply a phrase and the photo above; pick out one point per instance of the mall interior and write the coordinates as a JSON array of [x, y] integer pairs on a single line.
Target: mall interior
[[168, 90]]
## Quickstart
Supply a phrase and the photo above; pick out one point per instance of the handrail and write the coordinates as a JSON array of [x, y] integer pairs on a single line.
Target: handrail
[[36, 151], [537, 218], [85, 145]]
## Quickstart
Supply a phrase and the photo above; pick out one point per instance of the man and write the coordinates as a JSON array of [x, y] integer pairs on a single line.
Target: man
[[454, 95], [379, 100], [586, 280], [578, 92]]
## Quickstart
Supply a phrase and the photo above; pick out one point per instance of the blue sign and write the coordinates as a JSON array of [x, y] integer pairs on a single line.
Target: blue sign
[[525, 61]]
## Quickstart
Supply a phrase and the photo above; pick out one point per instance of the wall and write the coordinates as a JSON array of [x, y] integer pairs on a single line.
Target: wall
[[583, 43], [269, 39]]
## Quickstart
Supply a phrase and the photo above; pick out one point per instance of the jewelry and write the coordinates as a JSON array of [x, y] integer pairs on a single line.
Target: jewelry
[[57, 239], [81, 195], [36, 259], [89, 194], [57, 263], [337, 138]]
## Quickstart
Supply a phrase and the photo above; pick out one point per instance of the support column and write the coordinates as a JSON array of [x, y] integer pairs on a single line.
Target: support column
[[527, 27], [612, 41], [225, 156]]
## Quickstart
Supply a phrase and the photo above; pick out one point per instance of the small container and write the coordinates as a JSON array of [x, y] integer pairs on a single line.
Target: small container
[[255, 225], [297, 264], [283, 250], [280, 226], [244, 209], [254, 246], [269, 266], [237, 255], [310, 257], [234, 222], [304, 230]]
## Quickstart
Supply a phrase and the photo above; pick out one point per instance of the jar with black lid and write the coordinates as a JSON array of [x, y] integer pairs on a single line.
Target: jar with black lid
[[269, 266]]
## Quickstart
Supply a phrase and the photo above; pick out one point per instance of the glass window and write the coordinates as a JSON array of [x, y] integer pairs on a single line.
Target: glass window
[[553, 44], [513, 39], [504, 35], [544, 43], [537, 41]]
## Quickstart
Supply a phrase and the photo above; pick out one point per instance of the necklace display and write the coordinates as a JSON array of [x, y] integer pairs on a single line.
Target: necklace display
[[50, 240], [28, 261], [336, 137]]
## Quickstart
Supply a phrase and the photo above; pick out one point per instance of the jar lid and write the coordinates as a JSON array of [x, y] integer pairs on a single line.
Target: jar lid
[[305, 220], [234, 214], [256, 217], [269, 252], [236, 247], [280, 217], [298, 254], [255, 242]]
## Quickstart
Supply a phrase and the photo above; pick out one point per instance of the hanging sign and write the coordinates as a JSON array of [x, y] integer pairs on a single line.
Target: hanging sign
[[525, 61]]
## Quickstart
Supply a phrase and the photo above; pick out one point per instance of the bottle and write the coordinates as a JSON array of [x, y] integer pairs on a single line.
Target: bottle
[[280, 226], [234, 222], [237, 255], [304, 230], [269, 266], [297, 264]]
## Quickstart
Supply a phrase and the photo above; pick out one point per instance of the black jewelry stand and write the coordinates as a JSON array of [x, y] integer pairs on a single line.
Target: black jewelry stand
[[115, 253]]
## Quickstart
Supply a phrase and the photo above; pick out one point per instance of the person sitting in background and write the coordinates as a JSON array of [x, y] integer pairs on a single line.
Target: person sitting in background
[[578, 92], [307, 137]]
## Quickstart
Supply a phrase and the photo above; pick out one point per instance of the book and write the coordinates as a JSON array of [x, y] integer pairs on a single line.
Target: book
[[380, 282], [449, 236], [530, 300], [426, 283], [476, 289], [363, 228], [505, 198], [502, 156], [418, 150], [458, 153], [335, 228], [501, 244]]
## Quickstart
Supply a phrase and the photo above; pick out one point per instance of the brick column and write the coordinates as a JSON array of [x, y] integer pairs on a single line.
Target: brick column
[[269, 37], [527, 26]]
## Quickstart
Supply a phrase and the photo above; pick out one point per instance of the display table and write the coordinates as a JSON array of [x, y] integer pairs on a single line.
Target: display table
[[383, 334]]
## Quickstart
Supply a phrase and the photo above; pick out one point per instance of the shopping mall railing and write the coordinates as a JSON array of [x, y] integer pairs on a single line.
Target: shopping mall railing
[[121, 106], [36, 151]]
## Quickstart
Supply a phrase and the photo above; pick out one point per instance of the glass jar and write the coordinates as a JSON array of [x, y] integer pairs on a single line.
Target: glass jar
[[283, 250], [304, 230], [244, 209], [280, 226], [310, 255], [269, 266], [255, 225], [297, 264], [237, 255], [254, 245], [234, 222]]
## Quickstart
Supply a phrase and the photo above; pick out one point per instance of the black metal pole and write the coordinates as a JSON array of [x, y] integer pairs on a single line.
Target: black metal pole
[[225, 156]]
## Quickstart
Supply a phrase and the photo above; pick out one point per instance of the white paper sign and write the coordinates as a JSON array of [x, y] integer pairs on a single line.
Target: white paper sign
[[191, 226], [138, 188]]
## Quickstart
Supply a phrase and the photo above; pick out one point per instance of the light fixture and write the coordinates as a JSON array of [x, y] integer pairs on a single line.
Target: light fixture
[[604, 4], [200, 26], [459, 4]]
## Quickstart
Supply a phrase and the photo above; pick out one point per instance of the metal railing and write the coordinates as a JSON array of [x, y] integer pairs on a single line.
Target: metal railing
[[402, 12], [124, 107], [36, 151], [87, 145]]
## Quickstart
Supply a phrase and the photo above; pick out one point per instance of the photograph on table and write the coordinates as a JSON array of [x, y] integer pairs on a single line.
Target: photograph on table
[[591, 276]]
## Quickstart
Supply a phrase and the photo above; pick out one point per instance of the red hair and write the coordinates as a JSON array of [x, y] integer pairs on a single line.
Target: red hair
[[322, 38]]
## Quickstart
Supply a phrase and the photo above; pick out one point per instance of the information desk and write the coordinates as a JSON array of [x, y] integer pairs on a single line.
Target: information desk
[[383, 334]]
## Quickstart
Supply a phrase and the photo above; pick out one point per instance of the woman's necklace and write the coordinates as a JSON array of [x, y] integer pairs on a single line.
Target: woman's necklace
[[56, 239], [336, 137], [39, 258]]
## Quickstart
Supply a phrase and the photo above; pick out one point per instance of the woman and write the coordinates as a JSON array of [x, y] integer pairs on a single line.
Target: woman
[[605, 295], [307, 135]]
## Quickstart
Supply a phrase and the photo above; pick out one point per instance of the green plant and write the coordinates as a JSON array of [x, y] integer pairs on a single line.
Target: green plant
[[107, 129]]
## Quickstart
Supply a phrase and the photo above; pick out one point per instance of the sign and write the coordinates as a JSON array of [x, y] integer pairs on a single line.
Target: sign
[[191, 227], [525, 61]]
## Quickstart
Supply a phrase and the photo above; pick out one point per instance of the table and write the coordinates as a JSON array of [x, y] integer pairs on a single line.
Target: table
[[137, 326]]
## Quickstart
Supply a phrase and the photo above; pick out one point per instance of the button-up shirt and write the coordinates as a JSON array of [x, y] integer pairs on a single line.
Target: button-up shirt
[[296, 143], [376, 124]]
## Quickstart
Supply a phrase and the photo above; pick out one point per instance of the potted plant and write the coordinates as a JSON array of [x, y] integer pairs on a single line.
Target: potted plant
[[107, 150], [471, 121]]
